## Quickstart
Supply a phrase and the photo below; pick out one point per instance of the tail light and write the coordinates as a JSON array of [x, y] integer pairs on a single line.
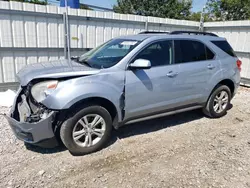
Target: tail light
[[239, 63]]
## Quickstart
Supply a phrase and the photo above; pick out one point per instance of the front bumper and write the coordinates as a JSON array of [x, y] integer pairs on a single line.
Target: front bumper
[[34, 133], [37, 133]]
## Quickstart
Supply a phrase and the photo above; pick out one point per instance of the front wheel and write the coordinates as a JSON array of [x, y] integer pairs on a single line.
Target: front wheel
[[218, 102], [87, 131]]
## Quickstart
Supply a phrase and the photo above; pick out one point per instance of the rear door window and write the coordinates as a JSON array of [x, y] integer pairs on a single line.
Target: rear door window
[[189, 51], [210, 54], [225, 46]]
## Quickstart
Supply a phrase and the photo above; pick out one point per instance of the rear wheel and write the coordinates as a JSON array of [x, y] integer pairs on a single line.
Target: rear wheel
[[87, 131], [218, 102]]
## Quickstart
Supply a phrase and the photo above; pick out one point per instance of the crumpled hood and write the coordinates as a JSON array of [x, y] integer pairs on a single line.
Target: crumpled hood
[[53, 69]]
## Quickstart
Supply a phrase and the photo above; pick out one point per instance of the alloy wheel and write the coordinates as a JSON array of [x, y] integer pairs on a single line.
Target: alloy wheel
[[89, 130], [220, 102]]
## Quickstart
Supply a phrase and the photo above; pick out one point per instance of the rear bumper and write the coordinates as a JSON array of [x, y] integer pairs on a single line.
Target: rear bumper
[[236, 86], [39, 133]]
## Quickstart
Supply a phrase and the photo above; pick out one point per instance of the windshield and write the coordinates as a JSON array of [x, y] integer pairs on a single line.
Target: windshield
[[109, 53]]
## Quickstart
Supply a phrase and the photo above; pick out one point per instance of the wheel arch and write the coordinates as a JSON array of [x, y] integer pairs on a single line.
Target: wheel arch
[[229, 83], [105, 103], [207, 108]]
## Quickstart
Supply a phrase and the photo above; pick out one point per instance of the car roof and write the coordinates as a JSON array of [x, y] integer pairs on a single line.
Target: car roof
[[141, 37]]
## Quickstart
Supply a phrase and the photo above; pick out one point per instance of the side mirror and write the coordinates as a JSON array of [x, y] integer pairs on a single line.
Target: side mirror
[[140, 64]]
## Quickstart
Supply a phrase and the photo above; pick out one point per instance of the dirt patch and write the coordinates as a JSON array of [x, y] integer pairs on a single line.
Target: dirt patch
[[184, 150]]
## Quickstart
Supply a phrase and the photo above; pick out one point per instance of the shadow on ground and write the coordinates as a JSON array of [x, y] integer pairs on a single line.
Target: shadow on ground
[[41, 150], [153, 125], [135, 129], [159, 123]]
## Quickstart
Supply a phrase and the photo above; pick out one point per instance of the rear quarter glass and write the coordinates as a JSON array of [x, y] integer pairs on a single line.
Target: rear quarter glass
[[225, 46]]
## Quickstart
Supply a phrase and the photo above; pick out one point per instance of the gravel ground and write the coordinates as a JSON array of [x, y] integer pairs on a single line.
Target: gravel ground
[[184, 150]]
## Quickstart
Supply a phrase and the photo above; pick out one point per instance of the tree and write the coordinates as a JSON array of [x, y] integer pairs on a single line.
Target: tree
[[177, 9], [83, 6], [40, 2], [229, 9], [196, 16]]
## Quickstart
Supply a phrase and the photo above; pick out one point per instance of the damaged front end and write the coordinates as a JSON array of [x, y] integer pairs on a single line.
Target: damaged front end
[[31, 121]]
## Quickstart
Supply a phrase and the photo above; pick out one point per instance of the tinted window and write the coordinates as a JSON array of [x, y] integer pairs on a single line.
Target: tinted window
[[159, 53], [225, 47], [210, 54], [189, 51]]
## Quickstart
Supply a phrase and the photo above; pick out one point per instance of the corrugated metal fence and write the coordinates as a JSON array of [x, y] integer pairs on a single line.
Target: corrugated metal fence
[[238, 35], [33, 33]]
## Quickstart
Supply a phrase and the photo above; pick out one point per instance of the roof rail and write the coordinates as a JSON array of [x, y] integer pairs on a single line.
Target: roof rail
[[153, 32], [192, 32]]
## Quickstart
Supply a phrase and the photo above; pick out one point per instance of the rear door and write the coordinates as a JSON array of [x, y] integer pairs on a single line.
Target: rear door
[[197, 66]]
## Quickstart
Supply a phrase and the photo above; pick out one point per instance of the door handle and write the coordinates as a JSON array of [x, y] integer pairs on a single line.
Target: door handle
[[172, 74], [210, 66]]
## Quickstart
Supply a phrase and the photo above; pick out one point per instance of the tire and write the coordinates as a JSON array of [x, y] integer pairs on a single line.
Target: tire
[[211, 109], [76, 124]]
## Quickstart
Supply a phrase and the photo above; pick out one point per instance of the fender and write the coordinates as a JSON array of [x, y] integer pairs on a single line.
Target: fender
[[72, 91], [222, 75]]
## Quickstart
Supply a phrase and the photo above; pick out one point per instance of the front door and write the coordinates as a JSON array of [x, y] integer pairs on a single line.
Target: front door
[[149, 91]]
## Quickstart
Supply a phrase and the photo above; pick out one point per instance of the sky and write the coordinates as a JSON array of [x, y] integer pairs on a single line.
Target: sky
[[197, 4], [101, 3]]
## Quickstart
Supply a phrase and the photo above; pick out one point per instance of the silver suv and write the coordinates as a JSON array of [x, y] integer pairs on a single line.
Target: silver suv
[[125, 80]]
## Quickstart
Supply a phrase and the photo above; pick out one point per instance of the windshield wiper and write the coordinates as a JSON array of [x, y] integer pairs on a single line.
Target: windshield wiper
[[85, 62], [77, 59]]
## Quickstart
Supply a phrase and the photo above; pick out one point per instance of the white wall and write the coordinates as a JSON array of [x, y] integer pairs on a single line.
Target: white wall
[[33, 33], [238, 35]]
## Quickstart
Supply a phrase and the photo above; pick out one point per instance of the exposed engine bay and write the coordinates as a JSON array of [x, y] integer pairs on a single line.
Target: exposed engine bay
[[28, 109]]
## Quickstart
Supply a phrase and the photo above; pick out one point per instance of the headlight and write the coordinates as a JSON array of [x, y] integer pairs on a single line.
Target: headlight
[[42, 89]]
